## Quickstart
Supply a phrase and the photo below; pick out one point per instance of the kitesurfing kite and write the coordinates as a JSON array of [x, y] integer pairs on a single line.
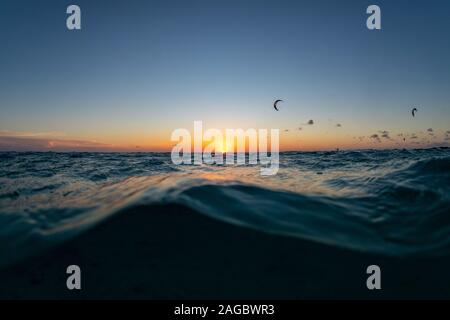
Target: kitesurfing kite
[[413, 111], [275, 104]]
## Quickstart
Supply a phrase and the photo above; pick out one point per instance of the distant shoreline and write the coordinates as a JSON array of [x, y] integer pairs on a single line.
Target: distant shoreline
[[168, 152]]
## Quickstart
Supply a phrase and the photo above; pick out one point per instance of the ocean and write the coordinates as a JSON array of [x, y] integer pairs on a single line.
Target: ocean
[[388, 202]]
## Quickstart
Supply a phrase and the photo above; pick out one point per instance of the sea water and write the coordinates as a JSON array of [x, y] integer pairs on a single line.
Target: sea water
[[393, 202]]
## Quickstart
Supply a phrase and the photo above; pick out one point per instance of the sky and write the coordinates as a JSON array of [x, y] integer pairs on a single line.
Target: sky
[[138, 70]]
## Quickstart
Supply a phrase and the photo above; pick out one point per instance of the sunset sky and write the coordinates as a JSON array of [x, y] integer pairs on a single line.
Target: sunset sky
[[140, 69]]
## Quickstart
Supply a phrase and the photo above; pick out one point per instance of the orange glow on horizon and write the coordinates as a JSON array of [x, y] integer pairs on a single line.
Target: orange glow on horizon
[[309, 139]]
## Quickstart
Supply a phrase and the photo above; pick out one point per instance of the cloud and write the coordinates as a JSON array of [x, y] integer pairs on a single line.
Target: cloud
[[27, 134], [375, 137], [385, 134], [29, 141], [414, 136]]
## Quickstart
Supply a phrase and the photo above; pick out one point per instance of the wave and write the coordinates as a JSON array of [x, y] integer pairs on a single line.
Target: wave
[[401, 209]]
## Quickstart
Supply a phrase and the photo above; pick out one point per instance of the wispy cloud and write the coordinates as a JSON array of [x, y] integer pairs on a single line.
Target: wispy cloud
[[27, 134], [447, 135], [375, 137], [46, 141], [385, 134]]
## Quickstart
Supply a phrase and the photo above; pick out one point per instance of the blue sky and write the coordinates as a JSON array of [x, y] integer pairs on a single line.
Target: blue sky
[[139, 69]]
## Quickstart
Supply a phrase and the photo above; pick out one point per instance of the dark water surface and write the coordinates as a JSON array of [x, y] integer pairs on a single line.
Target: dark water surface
[[391, 202]]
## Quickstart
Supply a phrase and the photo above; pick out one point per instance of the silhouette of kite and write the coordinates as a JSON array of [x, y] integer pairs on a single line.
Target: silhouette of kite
[[413, 112], [276, 103]]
